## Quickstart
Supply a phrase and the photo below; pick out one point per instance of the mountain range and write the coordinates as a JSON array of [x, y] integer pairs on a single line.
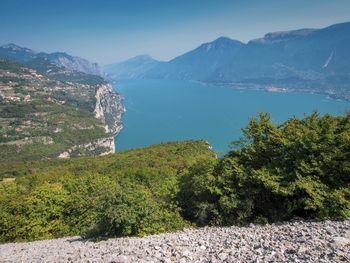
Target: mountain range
[[311, 60], [59, 59]]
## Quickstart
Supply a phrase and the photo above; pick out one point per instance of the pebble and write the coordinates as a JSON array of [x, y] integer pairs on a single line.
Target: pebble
[[297, 241]]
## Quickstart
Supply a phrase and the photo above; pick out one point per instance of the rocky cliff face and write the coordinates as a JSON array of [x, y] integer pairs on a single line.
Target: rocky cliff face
[[101, 146], [109, 108]]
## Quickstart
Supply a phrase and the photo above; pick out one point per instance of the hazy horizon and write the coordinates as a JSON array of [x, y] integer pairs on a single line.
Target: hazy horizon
[[113, 31]]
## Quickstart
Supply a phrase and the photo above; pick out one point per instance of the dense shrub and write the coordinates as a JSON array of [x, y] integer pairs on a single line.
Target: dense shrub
[[130, 193], [300, 168]]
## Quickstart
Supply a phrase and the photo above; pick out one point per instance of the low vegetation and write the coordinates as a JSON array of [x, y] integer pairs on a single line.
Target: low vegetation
[[300, 168], [129, 193]]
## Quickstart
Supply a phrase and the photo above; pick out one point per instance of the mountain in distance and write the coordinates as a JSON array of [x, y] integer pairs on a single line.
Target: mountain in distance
[[49, 66], [14, 52], [310, 60], [60, 59], [200, 63], [73, 63], [134, 67]]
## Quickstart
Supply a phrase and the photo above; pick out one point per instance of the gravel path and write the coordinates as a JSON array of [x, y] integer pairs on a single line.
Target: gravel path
[[290, 242]]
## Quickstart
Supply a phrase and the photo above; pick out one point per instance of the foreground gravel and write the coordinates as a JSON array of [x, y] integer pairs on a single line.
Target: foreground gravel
[[289, 242]]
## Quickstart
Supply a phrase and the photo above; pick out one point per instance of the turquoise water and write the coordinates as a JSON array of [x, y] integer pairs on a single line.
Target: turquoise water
[[168, 110]]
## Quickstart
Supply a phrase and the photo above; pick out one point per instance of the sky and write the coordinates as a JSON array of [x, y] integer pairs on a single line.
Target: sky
[[108, 31]]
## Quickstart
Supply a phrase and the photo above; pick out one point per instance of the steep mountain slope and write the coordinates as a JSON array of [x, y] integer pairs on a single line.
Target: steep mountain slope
[[311, 60], [60, 59], [135, 67], [43, 116], [200, 63], [307, 54]]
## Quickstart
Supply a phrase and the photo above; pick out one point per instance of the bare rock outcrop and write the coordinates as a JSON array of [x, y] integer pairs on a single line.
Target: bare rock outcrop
[[109, 108], [101, 146]]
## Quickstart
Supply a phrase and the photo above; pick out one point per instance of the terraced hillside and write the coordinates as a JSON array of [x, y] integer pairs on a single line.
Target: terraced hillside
[[43, 115]]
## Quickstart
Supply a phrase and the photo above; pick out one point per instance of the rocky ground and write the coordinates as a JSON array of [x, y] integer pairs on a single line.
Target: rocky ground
[[289, 242]]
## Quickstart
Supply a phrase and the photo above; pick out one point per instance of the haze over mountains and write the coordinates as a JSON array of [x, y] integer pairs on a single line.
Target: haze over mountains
[[312, 60], [132, 68], [58, 59]]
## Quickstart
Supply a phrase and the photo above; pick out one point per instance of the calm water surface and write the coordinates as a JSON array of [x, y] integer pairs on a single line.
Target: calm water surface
[[168, 110]]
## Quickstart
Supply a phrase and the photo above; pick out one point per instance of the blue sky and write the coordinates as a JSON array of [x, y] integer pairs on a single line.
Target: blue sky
[[107, 31]]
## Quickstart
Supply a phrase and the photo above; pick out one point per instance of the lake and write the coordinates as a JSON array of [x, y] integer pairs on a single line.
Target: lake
[[170, 110]]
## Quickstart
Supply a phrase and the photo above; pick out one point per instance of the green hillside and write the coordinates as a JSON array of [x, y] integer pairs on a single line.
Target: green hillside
[[40, 116], [129, 193]]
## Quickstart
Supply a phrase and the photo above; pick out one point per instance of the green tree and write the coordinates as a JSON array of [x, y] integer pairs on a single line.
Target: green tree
[[276, 172]]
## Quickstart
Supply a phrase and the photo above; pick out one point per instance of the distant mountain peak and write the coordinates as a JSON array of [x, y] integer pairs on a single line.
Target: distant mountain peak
[[60, 59], [219, 43], [14, 47], [142, 57], [11, 45], [131, 68], [279, 36], [64, 54], [282, 34], [224, 39]]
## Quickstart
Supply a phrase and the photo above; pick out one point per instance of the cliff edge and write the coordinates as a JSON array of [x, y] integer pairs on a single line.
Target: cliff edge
[[51, 112], [109, 108]]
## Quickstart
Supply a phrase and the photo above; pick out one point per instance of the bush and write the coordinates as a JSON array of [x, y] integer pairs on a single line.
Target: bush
[[37, 215], [298, 169], [127, 194]]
